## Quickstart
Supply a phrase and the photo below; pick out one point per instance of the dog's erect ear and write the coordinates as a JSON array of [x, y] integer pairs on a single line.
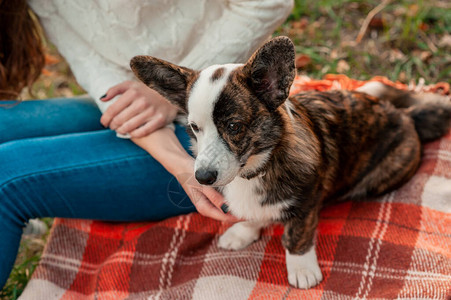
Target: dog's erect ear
[[169, 80], [271, 70]]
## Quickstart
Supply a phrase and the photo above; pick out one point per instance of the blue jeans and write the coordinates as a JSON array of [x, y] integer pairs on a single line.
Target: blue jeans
[[56, 160]]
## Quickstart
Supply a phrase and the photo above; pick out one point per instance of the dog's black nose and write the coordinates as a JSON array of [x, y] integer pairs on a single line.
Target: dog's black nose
[[206, 177]]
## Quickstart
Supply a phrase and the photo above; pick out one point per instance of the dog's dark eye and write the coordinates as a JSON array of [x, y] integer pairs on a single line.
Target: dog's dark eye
[[234, 127], [194, 127]]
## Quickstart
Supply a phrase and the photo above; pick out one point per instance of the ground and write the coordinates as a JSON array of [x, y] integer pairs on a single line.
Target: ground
[[405, 41]]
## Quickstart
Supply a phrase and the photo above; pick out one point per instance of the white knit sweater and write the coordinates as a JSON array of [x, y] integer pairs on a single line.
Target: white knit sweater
[[99, 37]]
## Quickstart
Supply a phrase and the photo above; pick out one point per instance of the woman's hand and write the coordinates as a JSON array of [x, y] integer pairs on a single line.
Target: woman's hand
[[207, 200], [138, 111]]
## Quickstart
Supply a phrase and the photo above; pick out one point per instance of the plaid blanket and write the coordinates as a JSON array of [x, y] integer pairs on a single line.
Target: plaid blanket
[[396, 246]]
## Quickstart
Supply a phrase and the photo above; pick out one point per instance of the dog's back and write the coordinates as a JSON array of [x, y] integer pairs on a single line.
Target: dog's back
[[431, 112], [371, 139]]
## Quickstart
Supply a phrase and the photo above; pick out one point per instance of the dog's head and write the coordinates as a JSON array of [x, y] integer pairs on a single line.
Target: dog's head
[[232, 109]]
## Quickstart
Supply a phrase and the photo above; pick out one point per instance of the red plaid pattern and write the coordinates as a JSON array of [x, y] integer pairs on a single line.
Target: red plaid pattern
[[393, 247]]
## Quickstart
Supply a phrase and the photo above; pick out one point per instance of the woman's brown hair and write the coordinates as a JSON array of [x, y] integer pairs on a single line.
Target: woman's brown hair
[[21, 49]]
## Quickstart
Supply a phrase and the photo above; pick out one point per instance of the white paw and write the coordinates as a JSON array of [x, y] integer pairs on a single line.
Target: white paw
[[303, 270], [239, 236], [304, 278]]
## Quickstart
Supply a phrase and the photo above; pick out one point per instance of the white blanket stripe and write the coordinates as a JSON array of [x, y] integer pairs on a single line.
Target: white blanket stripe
[[375, 242]]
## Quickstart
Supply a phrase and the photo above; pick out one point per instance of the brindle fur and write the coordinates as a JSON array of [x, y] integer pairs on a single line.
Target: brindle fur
[[324, 146], [340, 145], [364, 147]]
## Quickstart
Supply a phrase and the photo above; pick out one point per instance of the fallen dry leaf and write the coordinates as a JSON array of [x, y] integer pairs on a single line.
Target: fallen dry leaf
[[48, 73], [342, 66], [303, 60], [445, 41], [51, 59], [377, 23], [413, 10], [395, 54], [425, 55], [402, 76], [301, 24], [423, 26], [333, 54]]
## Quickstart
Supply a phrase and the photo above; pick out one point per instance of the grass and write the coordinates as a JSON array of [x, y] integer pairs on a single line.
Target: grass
[[30, 251], [20, 275], [407, 41]]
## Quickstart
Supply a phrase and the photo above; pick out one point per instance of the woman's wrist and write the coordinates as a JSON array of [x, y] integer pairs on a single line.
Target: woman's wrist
[[164, 146], [178, 164]]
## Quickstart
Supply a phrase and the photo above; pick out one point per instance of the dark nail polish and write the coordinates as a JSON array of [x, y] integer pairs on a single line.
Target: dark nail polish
[[225, 208], [103, 96]]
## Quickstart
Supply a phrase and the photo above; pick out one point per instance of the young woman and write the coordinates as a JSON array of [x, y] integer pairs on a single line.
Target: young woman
[[63, 158]]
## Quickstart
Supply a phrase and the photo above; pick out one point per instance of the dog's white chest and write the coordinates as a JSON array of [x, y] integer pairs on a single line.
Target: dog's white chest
[[244, 198]]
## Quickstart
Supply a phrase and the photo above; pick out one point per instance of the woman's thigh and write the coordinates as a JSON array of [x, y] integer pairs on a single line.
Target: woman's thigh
[[91, 175], [39, 118]]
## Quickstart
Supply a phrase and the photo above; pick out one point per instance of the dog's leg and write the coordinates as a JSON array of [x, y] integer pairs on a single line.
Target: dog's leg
[[241, 235], [303, 269], [298, 240]]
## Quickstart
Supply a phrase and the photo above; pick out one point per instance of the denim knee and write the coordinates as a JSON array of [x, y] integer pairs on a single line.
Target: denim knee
[[12, 161], [13, 192]]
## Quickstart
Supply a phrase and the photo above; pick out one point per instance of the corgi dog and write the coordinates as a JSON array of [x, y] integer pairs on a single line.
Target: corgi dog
[[280, 159]]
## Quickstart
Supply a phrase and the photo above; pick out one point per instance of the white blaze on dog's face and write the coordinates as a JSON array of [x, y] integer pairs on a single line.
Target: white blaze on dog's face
[[232, 109], [215, 163]]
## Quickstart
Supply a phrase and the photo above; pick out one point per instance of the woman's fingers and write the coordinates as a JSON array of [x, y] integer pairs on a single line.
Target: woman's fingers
[[133, 116], [156, 122], [214, 196], [116, 90], [133, 123], [206, 208], [139, 110], [212, 204], [117, 107], [206, 199]]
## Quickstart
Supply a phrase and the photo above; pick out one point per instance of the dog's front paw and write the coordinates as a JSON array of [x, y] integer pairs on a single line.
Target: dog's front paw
[[303, 270], [239, 236]]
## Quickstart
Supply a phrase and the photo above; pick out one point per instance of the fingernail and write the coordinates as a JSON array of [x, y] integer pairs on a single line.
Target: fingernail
[[225, 208], [103, 96]]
